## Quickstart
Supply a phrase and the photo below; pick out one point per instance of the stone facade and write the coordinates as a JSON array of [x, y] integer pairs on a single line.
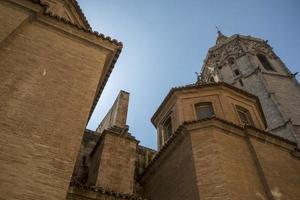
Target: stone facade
[[218, 157], [234, 60], [110, 158], [52, 73]]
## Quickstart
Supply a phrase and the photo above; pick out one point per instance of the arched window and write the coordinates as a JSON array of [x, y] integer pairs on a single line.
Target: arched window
[[212, 80], [264, 62]]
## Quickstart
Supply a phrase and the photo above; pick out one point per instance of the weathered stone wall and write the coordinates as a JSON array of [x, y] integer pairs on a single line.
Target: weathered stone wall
[[172, 176], [224, 166], [286, 92], [49, 76], [14, 17], [228, 162], [117, 157], [282, 171]]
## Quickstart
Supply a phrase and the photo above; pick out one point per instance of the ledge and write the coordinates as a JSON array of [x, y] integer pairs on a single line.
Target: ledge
[[78, 189]]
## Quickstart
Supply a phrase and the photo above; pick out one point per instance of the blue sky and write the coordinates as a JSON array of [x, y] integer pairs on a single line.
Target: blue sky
[[166, 41]]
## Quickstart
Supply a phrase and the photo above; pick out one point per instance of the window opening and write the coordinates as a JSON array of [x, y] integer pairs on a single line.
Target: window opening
[[231, 61], [204, 110], [265, 62], [168, 127], [244, 116], [236, 72]]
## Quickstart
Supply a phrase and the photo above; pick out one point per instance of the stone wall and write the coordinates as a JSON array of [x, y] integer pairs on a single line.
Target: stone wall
[[223, 161], [50, 72], [117, 162], [280, 105], [281, 169], [224, 166], [172, 175]]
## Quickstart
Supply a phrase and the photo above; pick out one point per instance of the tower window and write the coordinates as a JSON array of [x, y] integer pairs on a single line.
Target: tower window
[[236, 72], [212, 80], [265, 62], [204, 110], [168, 130], [231, 61], [244, 116]]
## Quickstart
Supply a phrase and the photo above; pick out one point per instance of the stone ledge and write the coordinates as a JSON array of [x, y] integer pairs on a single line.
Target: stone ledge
[[98, 192]]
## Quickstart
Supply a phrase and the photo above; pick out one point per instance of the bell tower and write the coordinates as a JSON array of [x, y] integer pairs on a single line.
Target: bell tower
[[250, 64]]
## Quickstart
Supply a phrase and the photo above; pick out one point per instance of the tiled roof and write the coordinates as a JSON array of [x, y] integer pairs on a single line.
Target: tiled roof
[[85, 21], [87, 30]]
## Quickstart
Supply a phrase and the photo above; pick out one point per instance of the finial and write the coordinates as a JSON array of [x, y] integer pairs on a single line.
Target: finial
[[218, 30]]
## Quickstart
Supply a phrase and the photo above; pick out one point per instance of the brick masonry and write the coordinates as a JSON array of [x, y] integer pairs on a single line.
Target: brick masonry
[[49, 77], [225, 159]]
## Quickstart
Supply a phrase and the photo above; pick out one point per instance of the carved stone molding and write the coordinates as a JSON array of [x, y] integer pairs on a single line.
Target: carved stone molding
[[237, 48], [254, 46], [218, 57]]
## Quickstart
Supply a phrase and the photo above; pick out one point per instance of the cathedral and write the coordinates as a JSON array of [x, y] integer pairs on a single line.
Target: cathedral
[[233, 134]]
